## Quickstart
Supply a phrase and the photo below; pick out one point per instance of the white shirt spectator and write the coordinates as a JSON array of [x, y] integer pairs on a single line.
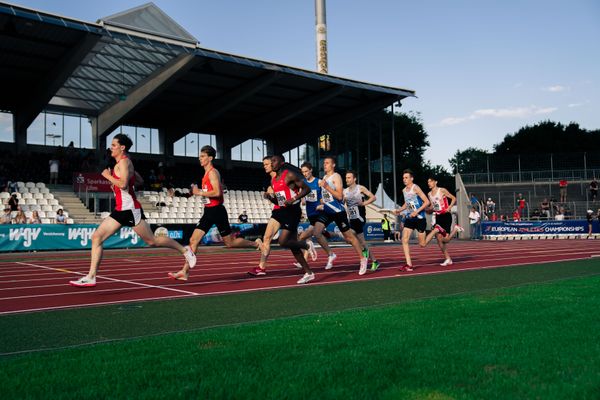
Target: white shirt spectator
[[474, 217], [559, 217], [54, 165]]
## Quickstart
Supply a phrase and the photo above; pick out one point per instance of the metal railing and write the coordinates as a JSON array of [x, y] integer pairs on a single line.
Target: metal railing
[[530, 176]]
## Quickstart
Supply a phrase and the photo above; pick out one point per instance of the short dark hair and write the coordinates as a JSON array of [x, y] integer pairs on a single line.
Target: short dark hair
[[280, 156], [124, 140], [332, 158], [209, 150], [267, 158], [433, 178], [408, 171], [307, 165], [350, 171]]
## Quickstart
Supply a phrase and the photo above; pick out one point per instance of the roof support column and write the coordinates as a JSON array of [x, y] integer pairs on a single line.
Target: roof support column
[[19, 135], [224, 151]]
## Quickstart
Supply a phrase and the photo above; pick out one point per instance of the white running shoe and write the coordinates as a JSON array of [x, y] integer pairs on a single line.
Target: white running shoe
[[459, 228], [311, 250], [306, 278], [83, 282], [330, 261], [190, 257], [447, 261], [363, 266], [298, 265]]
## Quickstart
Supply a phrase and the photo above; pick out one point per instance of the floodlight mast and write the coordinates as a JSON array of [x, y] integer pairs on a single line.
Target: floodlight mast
[[321, 30]]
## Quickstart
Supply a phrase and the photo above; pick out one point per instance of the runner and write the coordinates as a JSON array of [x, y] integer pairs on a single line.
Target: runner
[[288, 189], [442, 230], [273, 225], [357, 212], [332, 195], [312, 201], [128, 212], [415, 201], [214, 212]]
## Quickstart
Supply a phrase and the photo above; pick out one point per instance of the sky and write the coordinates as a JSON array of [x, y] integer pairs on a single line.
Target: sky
[[481, 69]]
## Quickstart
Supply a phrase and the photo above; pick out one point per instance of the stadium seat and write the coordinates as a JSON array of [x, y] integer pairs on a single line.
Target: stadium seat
[[45, 190], [104, 214], [26, 196], [47, 196], [34, 190], [29, 185], [46, 221], [47, 208], [4, 195], [70, 221], [37, 196], [20, 184], [40, 185], [42, 202]]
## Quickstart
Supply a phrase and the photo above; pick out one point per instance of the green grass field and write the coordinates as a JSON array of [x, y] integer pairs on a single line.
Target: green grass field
[[511, 333]]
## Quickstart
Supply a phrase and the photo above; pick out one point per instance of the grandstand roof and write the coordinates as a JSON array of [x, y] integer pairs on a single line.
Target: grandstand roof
[[139, 67]]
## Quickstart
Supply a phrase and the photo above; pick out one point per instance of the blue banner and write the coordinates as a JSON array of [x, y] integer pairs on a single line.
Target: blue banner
[[61, 237], [573, 227]]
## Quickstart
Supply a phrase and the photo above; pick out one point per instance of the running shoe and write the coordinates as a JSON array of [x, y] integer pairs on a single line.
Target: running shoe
[[363, 266], [83, 282], [330, 260], [298, 265], [257, 271], [179, 276], [406, 268], [374, 265], [190, 257], [459, 228], [306, 278], [441, 230], [365, 253], [447, 261], [311, 250]]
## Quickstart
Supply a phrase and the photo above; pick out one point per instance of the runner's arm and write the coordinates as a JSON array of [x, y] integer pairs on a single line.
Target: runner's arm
[[367, 192]]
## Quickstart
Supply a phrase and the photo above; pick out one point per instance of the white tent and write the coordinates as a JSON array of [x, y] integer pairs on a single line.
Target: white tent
[[383, 200]]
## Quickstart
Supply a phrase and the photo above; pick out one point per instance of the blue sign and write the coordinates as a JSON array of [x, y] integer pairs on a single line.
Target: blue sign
[[538, 227]]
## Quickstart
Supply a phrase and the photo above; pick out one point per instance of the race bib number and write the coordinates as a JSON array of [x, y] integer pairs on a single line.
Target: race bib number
[[311, 196], [280, 196], [327, 197], [436, 207], [412, 206], [353, 212]]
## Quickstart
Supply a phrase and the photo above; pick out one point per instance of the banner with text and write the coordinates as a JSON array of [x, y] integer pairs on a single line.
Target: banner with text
[[538, 227], [91, 181]]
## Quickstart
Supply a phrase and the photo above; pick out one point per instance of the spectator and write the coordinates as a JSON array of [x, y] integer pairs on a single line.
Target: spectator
[[54, 164], [545, 206], [475, 222], [13, 202], [521, 203], [153, 181], [6, 217], [12, 187], [503, 218], [385, 227], [474, 201], [594, 189], [560, 215], [589, 217], [60, 217], [516, 215], [562, 185], [536, 214], [494, 217], [243, 218], [20, 218], [35, 218], [490, 206]]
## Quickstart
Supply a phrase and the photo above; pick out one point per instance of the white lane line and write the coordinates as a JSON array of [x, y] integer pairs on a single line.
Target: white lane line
[[112, 279]]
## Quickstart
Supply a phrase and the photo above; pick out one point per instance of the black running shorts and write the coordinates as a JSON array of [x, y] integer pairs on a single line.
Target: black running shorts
[[216, 215], [128, 217], [445, 221], [288, 217], [420, 224]]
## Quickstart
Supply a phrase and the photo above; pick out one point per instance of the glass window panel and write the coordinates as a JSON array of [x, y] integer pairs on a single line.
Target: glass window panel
[[35, 132], [154, 142], [86, 133], [110, 137], [247, 150], [204, 139], [54, 130], [294, 156], [6, 128], [257, 150], [179, 147], [142, 140], [71, 131], [235, 152], [130, 131], [191, 145]]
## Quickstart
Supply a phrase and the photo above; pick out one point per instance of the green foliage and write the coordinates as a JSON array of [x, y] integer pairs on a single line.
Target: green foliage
[[469, 160]]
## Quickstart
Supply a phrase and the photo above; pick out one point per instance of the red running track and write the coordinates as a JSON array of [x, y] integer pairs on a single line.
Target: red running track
[[39, 281]]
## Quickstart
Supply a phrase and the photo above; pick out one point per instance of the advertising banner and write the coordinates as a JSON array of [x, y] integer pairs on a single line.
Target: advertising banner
[[61, 237], [91, 181], [538, 227]]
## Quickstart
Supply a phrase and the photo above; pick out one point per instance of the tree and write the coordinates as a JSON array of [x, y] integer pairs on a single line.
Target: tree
[[469, 160]]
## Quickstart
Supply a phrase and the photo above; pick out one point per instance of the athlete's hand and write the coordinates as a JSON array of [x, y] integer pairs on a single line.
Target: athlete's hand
[[396, 212], [106, 173], [196, 191], [320, 207], [289, 202], [414, 214], [323, 183]]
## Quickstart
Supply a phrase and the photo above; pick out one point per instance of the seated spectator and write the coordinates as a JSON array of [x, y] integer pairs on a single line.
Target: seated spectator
[[545, 206], [6, 218], [589, 217], [536, 214], [12, 187], [20, 218], [490, 206], [60, 217], [13, 202], [516, 215], [560, 215], [243, 218], [493, 217], [35, 218], [503, 218]]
